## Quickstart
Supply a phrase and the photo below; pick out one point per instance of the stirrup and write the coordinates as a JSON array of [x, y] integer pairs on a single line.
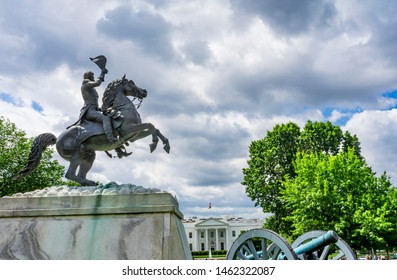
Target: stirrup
[[112, 139]]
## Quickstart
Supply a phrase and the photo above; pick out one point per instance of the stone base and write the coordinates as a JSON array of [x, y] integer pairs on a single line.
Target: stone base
[[134, 226]]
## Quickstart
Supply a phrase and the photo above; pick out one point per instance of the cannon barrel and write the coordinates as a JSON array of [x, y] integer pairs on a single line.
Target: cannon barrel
[[329, 237], [312, 245]]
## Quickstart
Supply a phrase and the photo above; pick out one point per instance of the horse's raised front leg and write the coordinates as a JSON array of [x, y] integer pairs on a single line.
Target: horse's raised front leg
[[155, 140], [156, 134], [140, 131], [166, 143]]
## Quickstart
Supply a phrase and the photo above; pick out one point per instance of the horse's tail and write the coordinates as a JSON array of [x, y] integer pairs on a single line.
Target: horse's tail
[[39, 144]]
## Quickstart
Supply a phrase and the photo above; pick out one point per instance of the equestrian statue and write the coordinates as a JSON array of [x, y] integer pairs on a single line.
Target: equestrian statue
[[110, 127]]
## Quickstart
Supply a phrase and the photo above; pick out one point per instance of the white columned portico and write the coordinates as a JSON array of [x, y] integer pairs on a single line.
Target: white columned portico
[[201, 234]]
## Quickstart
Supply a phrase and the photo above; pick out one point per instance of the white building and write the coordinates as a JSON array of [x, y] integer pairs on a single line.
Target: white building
[[216, 233]]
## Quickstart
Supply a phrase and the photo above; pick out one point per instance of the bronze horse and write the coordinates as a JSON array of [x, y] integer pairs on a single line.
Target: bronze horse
[[78, 143]]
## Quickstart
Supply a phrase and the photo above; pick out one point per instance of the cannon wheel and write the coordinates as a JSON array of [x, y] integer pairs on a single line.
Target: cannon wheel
[[341, 248], [270, 246]]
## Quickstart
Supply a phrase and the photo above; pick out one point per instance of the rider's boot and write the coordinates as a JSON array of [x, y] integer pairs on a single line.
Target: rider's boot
[[122, 152], [107, 126]]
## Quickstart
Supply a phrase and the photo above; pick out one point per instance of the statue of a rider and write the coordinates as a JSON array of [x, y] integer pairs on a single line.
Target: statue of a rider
[[91, 110]]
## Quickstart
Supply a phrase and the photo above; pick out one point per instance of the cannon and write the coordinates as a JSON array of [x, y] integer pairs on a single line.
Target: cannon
[[264, 244]]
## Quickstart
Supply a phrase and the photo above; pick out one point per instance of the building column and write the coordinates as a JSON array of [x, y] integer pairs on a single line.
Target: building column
[[206, 247], [216, 240], [197, 243], [227, 238]]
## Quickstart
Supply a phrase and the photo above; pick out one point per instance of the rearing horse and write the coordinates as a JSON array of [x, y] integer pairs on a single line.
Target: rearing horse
[[78, 143]]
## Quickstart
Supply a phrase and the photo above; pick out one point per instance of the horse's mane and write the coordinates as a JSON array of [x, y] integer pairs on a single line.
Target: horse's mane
[[110, 94]]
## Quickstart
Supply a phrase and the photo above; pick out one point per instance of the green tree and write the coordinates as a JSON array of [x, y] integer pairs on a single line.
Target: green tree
[[376, 215], [340, 192], [390, 210], [271, 161], [14, 152], [324, 137]]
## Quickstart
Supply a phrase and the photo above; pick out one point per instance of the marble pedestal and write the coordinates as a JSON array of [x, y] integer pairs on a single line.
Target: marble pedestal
[[89, 225]]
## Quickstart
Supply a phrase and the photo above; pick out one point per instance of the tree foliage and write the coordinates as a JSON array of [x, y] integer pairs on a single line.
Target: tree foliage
[[324, 137], [14, 151], [317, 179], [271, 161], [342, 193]]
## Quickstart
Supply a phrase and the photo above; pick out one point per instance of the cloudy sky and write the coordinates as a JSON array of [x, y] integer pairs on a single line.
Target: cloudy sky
[[219, 74]]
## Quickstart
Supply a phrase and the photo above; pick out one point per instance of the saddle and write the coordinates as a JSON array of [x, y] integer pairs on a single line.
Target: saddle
[[86, 129]]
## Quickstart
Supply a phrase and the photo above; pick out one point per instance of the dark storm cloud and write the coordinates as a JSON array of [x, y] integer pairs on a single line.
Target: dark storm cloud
[[226, 144], [288, 92], [170, 103], [326, 73], [159, 3], [34, 45], [149, 31], [52, 50], [211, 173], [197, 51], [289, 17], [381, 22], [210, 135]]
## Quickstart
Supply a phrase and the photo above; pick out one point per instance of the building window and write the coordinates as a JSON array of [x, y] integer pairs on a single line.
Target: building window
[[221, 234], [234, 233], [191, 247], [190, 235], [222, 246], [202, 247], [212, 234], [202, 234]]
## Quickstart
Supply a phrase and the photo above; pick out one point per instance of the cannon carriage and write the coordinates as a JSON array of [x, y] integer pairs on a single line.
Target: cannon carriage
[[264, 244]]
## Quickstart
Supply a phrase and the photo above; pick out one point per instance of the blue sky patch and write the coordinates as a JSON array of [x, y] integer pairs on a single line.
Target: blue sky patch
[[37, 107], [8, 98], [390, 94], [345, 114]]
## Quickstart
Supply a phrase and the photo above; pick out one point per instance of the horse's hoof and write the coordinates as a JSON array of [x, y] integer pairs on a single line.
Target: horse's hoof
[[152, 147], [167, 148], [88, 183]]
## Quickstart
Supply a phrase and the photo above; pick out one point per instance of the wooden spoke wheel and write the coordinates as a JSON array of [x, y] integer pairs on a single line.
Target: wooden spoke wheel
[[336, 251], [261, 244]]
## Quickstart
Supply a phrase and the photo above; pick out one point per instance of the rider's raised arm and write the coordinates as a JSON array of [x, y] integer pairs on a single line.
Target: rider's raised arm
[[91, 84], [89, 81], [98, 82]]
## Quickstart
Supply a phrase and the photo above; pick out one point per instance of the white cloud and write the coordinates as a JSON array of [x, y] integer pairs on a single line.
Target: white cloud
[[377, 131], [218, 76], [336, 116]]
